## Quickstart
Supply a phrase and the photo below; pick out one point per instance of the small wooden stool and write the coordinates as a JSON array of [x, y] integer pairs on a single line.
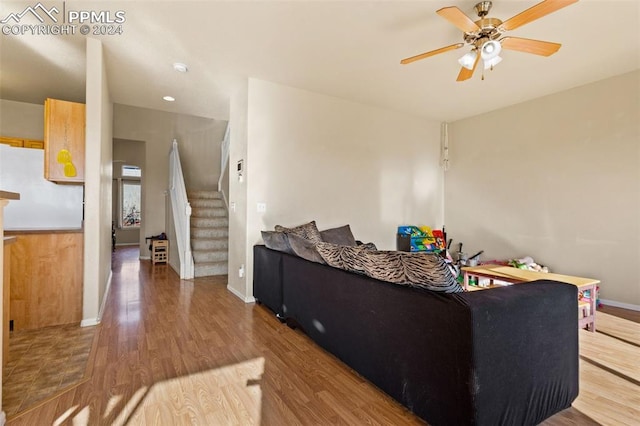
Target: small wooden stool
[[159, 251]]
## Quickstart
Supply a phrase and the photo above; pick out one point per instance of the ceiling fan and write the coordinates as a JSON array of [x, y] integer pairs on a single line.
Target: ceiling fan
[[484, 35]]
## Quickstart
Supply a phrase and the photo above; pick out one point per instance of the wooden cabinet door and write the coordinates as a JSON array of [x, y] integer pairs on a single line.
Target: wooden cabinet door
[[30, 143], [16, 142], [64, 132]]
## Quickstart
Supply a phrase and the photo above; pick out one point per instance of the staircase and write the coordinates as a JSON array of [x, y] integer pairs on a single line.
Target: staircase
[[209, 233]]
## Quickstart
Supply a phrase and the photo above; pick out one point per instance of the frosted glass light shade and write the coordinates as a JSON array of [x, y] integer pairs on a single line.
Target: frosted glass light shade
[[490, 63], [468, 60], [490, 50]]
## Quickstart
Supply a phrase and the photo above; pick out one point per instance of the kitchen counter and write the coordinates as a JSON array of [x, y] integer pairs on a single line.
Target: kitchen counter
[[9, 195], [43, 231]]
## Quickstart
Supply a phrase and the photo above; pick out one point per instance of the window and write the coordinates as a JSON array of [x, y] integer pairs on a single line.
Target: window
[[131, 171], [130, 198]]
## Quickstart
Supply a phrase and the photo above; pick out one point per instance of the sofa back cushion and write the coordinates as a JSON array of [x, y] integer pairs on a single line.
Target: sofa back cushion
[[276, 241], [341, 235], [304, 248]]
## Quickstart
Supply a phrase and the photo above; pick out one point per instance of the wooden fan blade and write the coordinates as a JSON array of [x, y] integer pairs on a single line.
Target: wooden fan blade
[[537, 47], [465, 73], [538, 11], [458, 18], [431, 53]]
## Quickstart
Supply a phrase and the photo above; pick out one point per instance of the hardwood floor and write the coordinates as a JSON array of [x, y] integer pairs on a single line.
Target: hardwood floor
[[189, 352], [621, 313]]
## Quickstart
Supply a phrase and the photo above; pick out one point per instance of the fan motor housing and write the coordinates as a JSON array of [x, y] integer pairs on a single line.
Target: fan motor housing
[[489, 29]]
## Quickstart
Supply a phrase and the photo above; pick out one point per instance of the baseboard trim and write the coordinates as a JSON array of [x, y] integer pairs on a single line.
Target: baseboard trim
[[620, 305], [104, 296], [240, 296], [3, 418], [90, 322], [145, 258], [127, 244]]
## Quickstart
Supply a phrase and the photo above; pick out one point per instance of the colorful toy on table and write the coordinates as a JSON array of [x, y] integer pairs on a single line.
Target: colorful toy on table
[[527, 263], [585, 296], [422, 238]]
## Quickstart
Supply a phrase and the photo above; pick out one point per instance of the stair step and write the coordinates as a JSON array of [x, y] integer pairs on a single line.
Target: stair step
[[207, 256], [210, 243], [209, 222], [208, 212], [209, 233], [204, 194], [211, 268], [206, 202]]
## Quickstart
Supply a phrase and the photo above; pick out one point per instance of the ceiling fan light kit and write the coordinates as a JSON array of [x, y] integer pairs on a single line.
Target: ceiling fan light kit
[[490, 63], [484, 35], [468, 60], [490, 50]]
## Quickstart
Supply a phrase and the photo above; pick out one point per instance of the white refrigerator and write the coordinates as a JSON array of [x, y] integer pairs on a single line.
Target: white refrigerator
[[42, 204]]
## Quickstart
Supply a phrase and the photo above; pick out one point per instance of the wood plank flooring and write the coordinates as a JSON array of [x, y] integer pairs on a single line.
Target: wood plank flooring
[[189, 352]]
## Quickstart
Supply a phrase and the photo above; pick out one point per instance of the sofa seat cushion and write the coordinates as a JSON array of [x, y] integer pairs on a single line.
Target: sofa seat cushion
[[422, 270]]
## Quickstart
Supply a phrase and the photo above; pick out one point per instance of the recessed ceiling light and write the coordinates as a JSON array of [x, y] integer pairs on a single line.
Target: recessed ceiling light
[[180, 67], [169, 98]]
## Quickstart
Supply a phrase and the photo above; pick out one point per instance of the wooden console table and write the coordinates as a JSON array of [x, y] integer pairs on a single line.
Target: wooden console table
[[517, 276]]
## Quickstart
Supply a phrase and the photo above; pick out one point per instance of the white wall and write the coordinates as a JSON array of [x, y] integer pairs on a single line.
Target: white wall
[[557, 178], [238, 246], [98, 185], [199, 144], [21, 120], [315, 157]]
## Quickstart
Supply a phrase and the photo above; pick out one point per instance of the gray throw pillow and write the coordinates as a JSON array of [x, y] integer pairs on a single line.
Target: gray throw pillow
[[276, 241], [307, 230], [341, 235], [304, 248]]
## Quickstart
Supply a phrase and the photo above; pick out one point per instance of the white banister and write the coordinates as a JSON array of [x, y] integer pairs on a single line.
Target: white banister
[[224, 162], [181, 210]]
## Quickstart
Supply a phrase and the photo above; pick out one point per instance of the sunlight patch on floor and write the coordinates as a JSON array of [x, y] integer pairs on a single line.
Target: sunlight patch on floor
[[227, 395], [60, 420]]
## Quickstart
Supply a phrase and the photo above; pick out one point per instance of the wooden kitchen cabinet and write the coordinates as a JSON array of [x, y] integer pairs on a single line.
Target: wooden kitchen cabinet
[[64, 141], [30, 143], [15, 142], [46, 270], [22, 143]]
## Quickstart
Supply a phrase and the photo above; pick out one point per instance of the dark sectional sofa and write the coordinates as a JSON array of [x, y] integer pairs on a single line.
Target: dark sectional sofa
[[505, 356]]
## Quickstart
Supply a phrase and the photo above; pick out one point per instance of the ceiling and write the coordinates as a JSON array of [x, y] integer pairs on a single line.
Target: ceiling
[[347, 49]]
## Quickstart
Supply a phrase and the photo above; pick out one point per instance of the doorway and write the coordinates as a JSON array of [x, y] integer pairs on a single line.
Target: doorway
[[128, 192]]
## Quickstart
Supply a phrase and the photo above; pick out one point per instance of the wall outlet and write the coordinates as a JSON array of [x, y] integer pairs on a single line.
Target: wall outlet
[[262, 207], [233, 206], [241, 271]]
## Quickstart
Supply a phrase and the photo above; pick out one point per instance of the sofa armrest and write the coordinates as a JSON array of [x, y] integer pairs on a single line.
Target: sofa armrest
[[525, 351], [267, 278]]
